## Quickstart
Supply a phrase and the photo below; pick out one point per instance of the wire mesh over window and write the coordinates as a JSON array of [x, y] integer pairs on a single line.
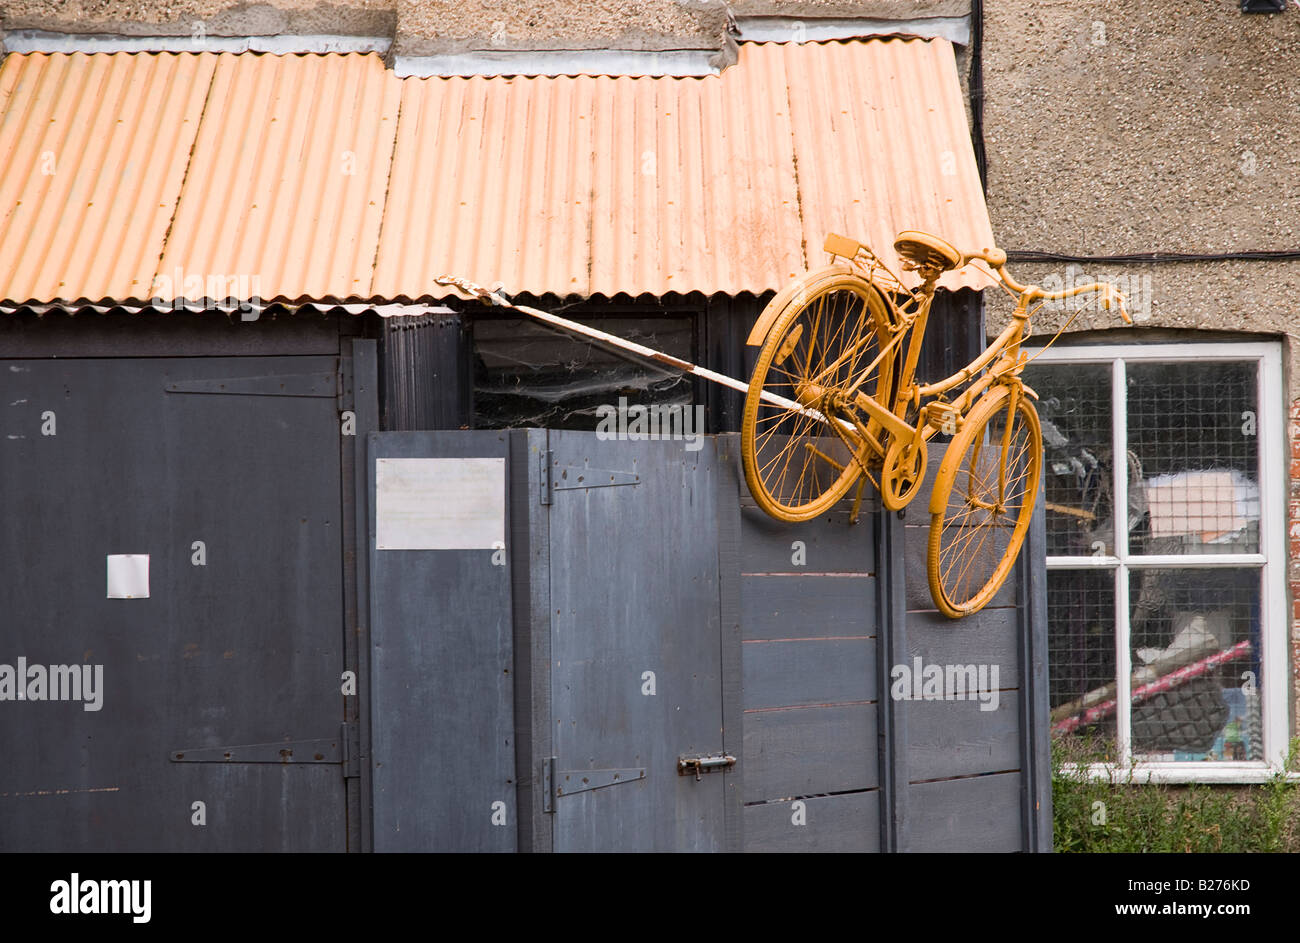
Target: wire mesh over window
[[1195, 641], [1081, 656], [1194, 436], [1190, 481], [1075, 412]]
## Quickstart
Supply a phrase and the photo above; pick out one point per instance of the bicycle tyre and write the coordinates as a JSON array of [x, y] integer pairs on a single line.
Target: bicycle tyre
[[965, 570], [821, 317]]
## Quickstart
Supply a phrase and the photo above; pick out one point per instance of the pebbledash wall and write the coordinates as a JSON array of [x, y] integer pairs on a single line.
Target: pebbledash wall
[[1114, 129]]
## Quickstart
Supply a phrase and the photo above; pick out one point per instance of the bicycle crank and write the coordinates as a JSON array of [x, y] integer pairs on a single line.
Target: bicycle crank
[[903, 473]]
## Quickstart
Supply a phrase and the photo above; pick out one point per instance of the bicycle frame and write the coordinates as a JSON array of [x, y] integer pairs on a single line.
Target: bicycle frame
[[912, 327], [815, 337], [1000, 362]]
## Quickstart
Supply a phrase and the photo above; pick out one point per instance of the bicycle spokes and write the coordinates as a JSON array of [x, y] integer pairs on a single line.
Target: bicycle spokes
[[802, 456], [982, 509]]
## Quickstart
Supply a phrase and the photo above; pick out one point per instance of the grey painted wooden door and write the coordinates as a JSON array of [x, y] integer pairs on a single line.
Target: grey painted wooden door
[[225, 472], [442, 755], [635, 644]]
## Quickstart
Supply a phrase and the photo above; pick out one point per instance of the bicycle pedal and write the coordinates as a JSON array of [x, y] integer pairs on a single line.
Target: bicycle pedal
[[943, 418]]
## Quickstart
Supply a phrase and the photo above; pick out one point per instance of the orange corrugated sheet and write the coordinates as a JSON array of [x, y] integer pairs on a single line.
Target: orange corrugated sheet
[[882, 142], [325, 177], [286, 186], [93, 149], [729, 183], [595, 185]]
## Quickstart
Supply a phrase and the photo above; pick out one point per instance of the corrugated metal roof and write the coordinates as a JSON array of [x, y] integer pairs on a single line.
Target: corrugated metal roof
[[286, 186], [882, 142], [304, 181], [595, 185], [93, 149]]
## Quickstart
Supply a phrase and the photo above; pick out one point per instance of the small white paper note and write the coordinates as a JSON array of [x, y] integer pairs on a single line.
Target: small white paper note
[[440, 503], [128, 576]]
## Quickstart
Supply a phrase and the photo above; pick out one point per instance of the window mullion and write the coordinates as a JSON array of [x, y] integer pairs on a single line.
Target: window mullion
[[1119, 459], [1123, 671], [1119, 530]]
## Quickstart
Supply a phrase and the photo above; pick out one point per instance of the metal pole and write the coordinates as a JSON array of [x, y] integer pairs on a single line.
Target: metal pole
[[499, 300]]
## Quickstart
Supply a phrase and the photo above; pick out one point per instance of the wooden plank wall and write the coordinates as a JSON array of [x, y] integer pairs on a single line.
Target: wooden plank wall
[[809, 652], [975, 777], [830, 761]]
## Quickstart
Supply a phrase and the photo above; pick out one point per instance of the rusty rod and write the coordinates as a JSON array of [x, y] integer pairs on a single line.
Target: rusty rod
[[497, 299]]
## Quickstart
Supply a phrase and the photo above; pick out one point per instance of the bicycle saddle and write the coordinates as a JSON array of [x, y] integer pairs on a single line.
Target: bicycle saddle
[[923, 249]]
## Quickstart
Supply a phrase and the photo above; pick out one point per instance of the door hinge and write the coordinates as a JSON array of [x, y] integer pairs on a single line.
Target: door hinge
[[544, 475], [553, 477], [343, 750], [558, 783]]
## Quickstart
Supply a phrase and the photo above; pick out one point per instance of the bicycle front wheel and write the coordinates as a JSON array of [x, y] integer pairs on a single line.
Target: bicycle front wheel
[[982, 501], [826, 339]]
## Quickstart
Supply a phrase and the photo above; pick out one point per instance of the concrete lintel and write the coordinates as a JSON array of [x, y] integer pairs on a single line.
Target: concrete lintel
[[44, 41], [785, 29], [629, 62], [227, 18]]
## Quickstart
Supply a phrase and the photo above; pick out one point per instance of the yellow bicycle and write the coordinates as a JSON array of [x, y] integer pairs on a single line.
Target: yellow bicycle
[[834, 401]]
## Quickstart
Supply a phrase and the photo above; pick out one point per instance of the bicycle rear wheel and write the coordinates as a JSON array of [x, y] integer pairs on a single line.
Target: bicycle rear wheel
[[982, 501], [831, 326]]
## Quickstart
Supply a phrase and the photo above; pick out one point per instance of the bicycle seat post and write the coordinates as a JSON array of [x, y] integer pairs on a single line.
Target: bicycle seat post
[[929, 273]]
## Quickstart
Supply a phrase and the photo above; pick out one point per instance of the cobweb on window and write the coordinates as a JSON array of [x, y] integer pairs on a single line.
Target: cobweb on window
[[529, 375]]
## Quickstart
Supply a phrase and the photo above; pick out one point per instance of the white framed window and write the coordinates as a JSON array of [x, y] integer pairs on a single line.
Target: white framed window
[[1167, 621]]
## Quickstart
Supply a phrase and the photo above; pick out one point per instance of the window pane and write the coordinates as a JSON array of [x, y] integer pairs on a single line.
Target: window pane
[[1192, 432], [1081, 660], [526, 374], [1195, 634], [1075, 409]]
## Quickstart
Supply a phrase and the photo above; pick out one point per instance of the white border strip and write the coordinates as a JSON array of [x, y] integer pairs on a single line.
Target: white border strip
[[787, 29], [1183, 561], [1155, 350], [35, 40], [1119, 537], [1272, 514], [1236, 773], [614, 62]]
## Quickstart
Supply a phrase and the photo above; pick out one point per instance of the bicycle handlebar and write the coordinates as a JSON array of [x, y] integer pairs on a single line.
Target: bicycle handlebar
[[997, 259]]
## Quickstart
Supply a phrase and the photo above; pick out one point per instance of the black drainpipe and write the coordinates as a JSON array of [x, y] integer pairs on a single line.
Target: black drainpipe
[[977, 89]]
